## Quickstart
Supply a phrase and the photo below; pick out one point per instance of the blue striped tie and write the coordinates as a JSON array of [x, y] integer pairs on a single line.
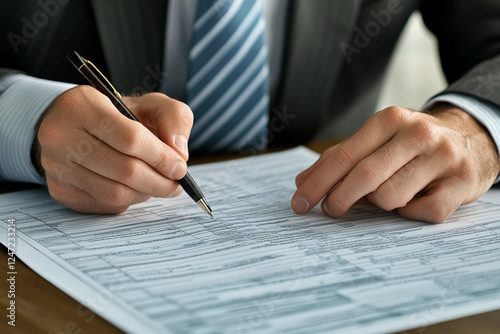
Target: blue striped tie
[[228, 85]]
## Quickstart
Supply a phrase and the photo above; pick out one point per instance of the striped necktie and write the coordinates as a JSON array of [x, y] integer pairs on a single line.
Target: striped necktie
[[228, 81]]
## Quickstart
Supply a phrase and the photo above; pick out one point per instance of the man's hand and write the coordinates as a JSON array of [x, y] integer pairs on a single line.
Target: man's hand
[[424, 165], [98, 161]]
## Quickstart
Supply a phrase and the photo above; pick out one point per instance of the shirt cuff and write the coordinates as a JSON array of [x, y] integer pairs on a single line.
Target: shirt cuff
[[484, 112], [23, 99]]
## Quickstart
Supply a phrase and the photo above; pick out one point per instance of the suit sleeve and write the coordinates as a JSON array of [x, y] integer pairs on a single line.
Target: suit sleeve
[[23, 99], [468, 34]]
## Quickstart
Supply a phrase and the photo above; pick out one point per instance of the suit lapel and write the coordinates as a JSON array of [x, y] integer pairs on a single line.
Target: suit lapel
[[312, 63], [132, 36]]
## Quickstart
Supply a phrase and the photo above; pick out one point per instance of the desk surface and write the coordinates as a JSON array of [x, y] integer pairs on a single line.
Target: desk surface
[[43, 308]]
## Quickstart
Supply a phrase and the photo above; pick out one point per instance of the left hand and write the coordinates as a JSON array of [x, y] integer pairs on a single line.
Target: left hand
[[424, 165]]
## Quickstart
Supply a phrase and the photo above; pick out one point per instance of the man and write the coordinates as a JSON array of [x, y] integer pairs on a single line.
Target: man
[[326, 60]]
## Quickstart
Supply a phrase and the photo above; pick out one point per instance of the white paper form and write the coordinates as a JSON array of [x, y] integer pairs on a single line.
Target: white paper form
[[257, 267]]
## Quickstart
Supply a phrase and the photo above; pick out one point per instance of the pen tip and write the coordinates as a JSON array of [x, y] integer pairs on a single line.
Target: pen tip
[[204, 205]]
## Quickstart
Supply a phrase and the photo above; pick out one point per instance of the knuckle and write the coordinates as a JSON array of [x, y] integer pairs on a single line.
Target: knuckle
[[155, 190], [345, 158], [130, 170], [54, 169], [134, 140], [163, 190], [182, 111], [55, 189], [116, 196], [449, 150], [387, 198], [336, 205], [424, 132], [369, 173], [161, 162], [172, 190], [394, 115], [179, 108], [439, 212]]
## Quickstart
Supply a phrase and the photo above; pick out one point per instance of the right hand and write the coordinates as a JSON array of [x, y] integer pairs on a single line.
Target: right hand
[[98, 161]]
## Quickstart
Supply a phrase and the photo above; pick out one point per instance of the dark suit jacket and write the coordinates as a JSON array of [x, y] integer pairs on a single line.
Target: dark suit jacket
[[336, 50]]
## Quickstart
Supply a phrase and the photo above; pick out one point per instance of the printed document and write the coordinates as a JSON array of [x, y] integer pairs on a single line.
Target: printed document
[[257, 267]]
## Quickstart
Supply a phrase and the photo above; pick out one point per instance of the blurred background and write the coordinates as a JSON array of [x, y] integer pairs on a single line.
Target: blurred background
[[415, 72]]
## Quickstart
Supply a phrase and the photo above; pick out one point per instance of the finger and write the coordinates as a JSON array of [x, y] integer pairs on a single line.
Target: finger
[[78, 200], [110, 193], [134, 139], [366, 177], [407, 182], [106, 161], [168, 119], [363, 143], [389, 176], [323, 177], [299, 180], [85, 108], [440, 200]]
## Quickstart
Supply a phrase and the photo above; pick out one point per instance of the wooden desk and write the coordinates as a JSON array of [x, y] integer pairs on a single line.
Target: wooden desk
[[43, 308]]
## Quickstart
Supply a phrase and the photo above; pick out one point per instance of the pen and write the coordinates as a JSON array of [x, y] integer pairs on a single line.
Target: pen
[[99, 81]]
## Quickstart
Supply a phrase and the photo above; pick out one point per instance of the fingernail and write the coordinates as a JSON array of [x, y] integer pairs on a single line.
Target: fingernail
[[300, 205], [181, 145], [178, 171]]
